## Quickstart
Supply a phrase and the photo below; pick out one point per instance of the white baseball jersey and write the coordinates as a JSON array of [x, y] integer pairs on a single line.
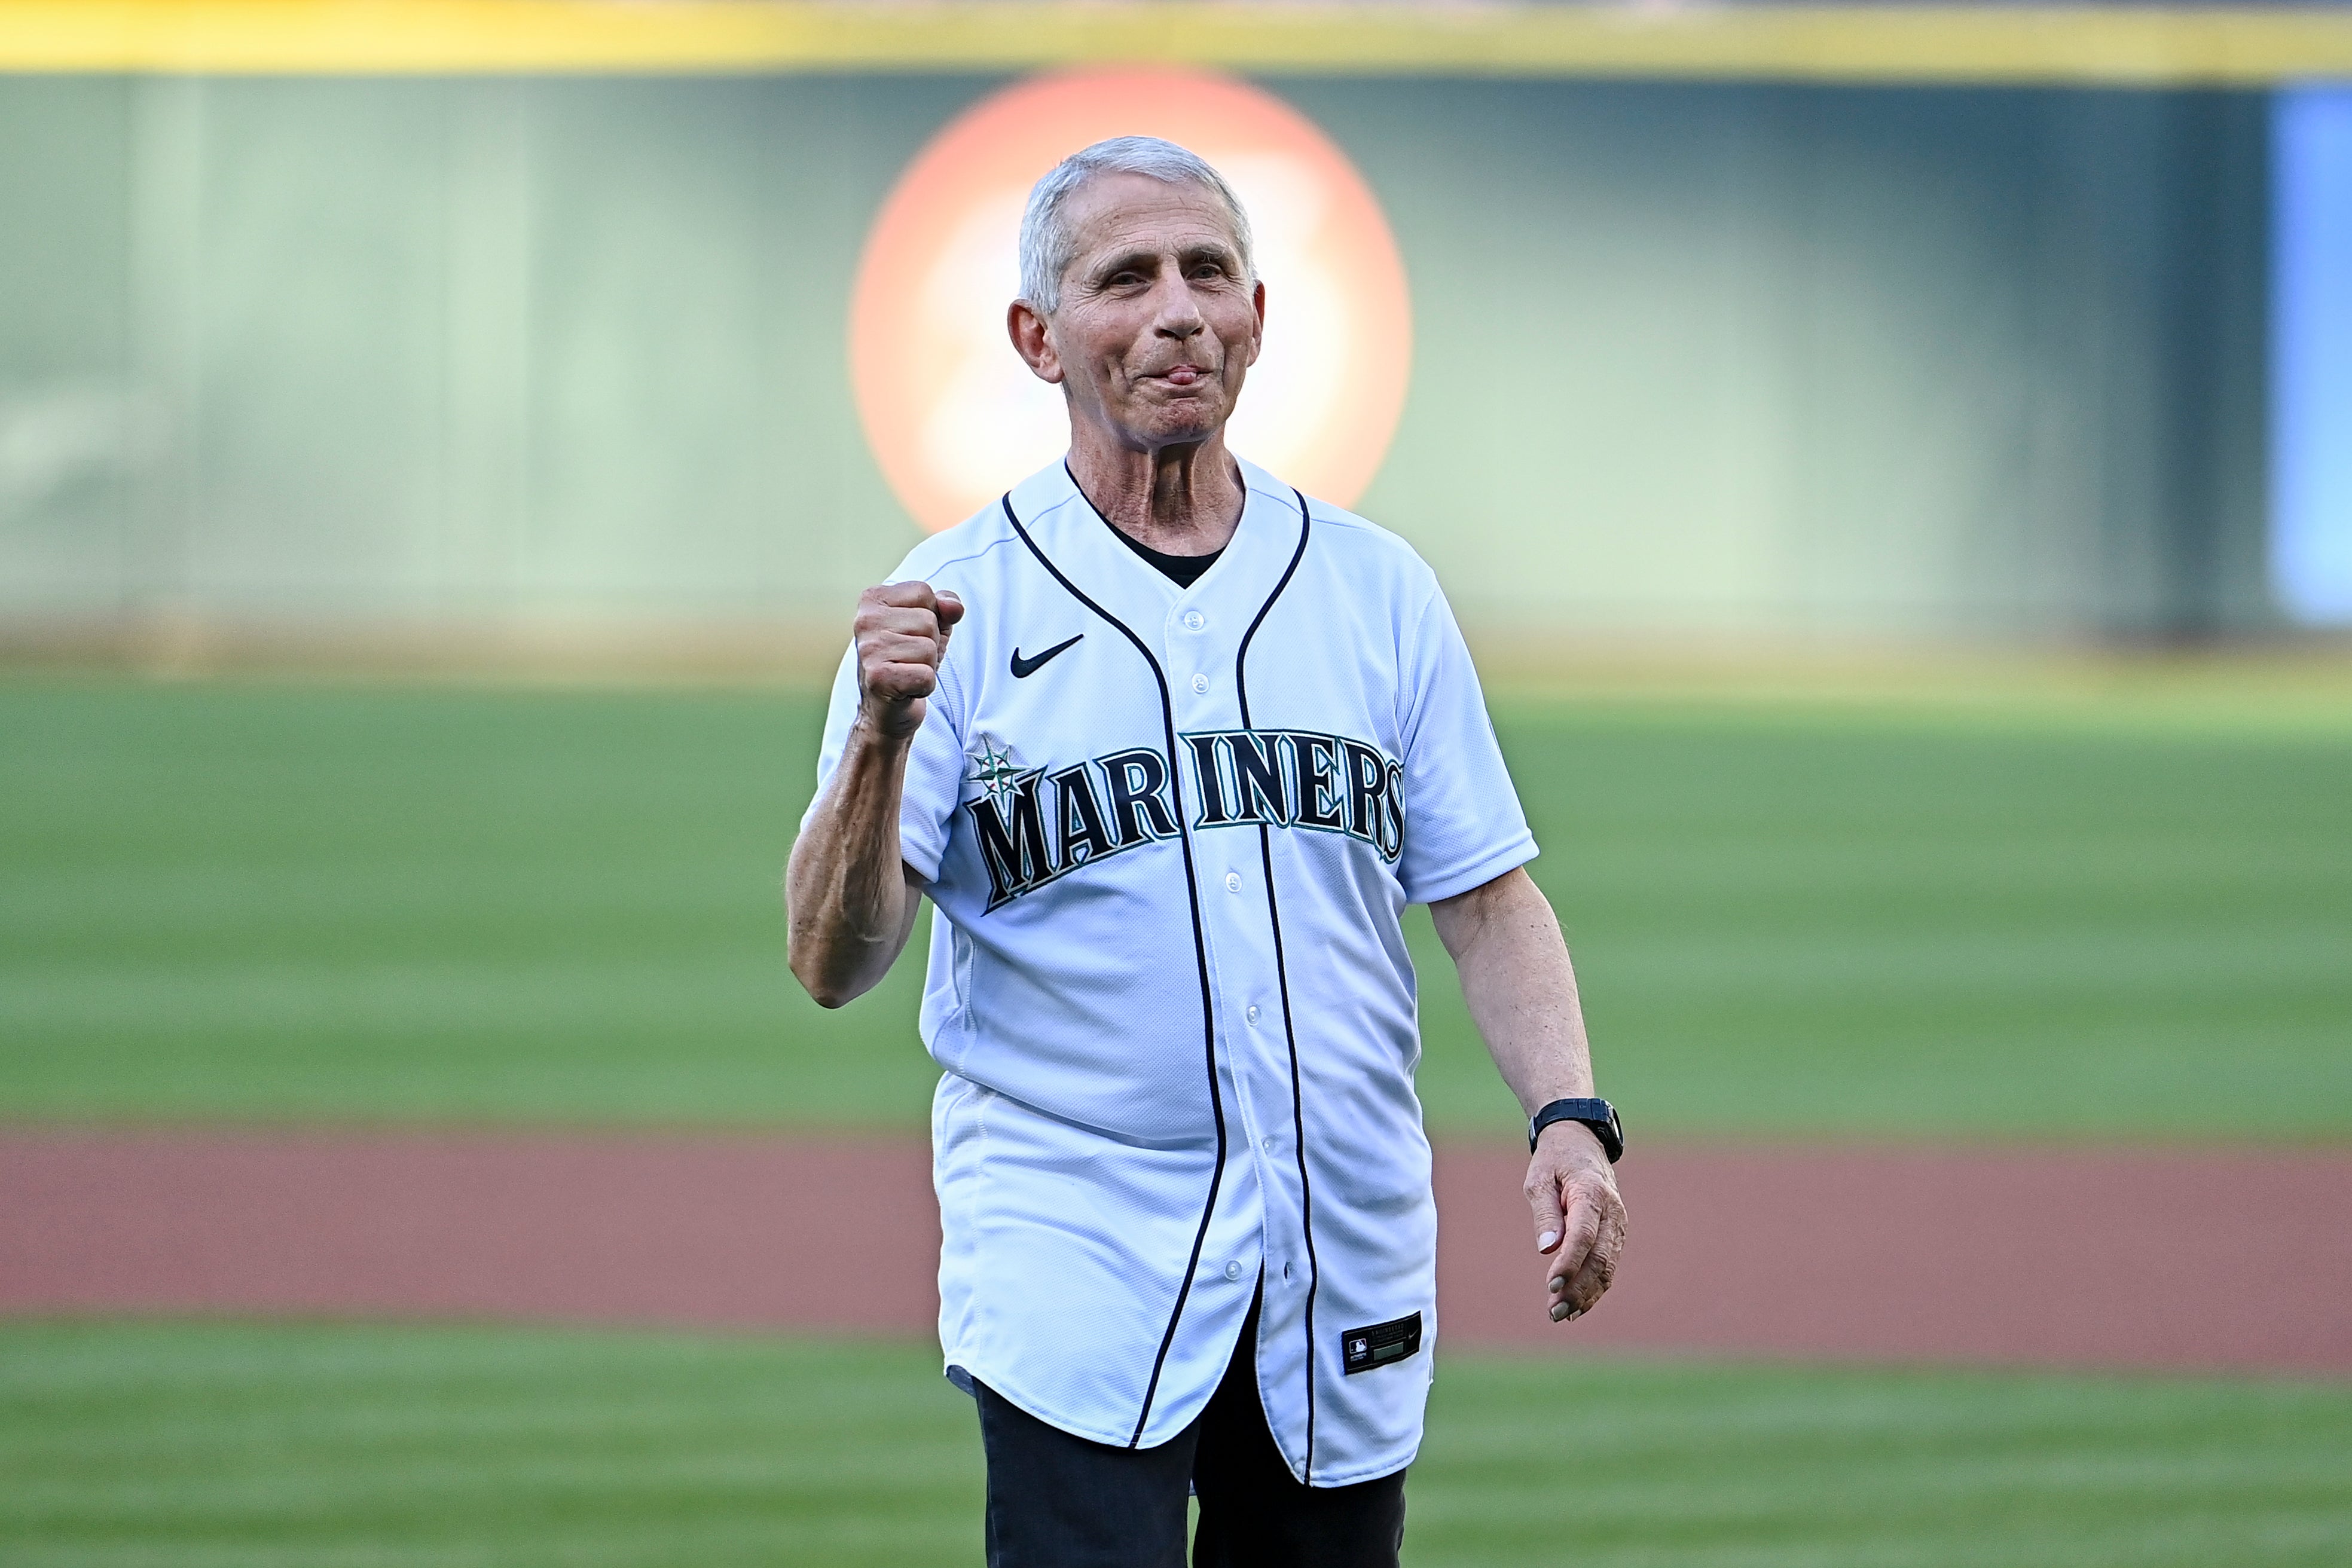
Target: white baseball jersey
[[1170, 833]]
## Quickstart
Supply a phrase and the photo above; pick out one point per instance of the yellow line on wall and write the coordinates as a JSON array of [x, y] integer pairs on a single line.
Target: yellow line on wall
[[1986, 44]]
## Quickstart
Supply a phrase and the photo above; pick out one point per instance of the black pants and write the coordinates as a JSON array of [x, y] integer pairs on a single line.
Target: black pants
[[1059, 1501]]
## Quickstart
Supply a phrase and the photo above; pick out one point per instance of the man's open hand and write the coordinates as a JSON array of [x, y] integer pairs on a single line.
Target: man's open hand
[[1579, 1219], [902, 634]]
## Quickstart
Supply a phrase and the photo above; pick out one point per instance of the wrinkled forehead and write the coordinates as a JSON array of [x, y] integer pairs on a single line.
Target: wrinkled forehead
[[1121, 212]]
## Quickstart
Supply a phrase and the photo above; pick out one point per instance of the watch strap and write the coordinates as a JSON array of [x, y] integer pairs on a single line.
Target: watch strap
[[1598, 1115]]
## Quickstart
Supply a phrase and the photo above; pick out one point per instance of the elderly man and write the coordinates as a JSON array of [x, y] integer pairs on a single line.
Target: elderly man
[[1195, 744]]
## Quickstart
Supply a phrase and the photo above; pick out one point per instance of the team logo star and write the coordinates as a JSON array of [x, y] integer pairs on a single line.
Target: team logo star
[[995, 772]]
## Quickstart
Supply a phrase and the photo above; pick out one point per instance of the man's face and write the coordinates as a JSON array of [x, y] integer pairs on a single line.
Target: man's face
[[1158, 322]]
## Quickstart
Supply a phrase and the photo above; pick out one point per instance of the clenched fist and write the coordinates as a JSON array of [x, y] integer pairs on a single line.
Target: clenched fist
[[902, 634]]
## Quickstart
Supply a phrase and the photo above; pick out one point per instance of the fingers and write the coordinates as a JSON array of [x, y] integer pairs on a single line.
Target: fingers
[[1597, 1215], [1580, 1231], [902, 634]]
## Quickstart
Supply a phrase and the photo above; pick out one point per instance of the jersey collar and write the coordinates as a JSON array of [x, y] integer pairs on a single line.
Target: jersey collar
[[1066, 527]]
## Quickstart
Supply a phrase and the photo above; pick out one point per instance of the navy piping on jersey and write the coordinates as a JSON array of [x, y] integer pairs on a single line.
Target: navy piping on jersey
[[1200, 956], [1281, 978]]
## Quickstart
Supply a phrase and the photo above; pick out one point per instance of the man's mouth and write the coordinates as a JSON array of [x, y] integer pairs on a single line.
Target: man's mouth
[[1183, 375]]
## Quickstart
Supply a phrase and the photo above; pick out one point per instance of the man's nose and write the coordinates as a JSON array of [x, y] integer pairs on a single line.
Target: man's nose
[[1180, 314]]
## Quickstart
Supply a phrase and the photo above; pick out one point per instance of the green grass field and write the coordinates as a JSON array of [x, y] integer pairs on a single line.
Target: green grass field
[[1999, 918], [1984, 920], [133, 1446]]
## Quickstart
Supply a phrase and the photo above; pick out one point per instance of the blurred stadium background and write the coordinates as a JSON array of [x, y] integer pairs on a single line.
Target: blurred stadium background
[[1895, 463]]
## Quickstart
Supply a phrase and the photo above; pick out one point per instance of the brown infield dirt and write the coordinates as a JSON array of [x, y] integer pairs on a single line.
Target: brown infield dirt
[[2239, 1260]]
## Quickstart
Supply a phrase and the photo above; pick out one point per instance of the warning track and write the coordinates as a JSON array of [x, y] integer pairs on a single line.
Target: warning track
[[2076, 1258]]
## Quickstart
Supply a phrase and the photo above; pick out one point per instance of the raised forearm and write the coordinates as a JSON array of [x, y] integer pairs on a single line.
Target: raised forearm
[[850, 898]]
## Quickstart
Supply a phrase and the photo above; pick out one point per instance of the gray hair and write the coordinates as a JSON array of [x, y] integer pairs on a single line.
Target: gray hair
[[1047, 247]]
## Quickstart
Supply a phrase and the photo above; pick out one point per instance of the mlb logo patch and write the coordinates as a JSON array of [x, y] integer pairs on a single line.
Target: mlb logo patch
[[1361, 1350]]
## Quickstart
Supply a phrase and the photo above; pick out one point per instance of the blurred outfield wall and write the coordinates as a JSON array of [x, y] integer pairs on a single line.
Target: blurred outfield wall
[[1742, 360]]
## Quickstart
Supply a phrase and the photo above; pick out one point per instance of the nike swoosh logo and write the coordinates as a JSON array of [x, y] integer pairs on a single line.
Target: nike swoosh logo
[[1025, 668]]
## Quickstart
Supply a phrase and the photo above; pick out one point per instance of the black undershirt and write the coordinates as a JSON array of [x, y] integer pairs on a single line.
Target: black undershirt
[[1184, 570]]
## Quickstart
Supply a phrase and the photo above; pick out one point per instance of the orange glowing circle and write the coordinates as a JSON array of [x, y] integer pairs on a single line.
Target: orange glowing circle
[[954, 416]]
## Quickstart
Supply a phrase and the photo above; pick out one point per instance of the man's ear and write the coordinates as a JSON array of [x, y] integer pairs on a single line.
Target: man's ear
[[1033, 341], [1257, 332]]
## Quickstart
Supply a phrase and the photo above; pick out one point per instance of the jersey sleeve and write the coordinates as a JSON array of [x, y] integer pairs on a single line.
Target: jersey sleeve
[[1463, 823], [934, 766]]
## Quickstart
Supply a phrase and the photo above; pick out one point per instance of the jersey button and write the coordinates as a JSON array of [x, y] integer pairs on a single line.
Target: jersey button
[[1194, 621], [1232, 1271], [1252, 1013], [1233, 881], [1266, 1143], [1200, 683]]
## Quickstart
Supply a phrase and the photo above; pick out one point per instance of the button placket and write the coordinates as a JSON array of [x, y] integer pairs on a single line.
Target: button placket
[[1187, 647]]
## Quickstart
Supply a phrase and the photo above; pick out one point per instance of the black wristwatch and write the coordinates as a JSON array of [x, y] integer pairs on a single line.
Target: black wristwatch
[[1598, 1115]]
